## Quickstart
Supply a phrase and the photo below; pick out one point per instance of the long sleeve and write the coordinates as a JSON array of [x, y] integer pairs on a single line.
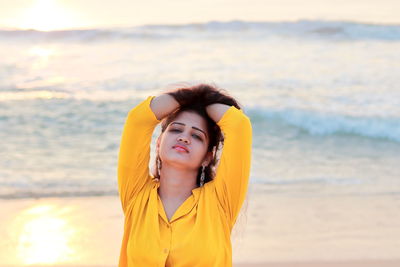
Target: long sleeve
[[134, 153], [233, 171]]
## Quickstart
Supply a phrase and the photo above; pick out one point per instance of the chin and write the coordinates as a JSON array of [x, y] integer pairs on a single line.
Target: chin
[[179, 162]]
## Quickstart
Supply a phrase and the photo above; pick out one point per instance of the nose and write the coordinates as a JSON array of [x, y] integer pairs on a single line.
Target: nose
[[183, 139]]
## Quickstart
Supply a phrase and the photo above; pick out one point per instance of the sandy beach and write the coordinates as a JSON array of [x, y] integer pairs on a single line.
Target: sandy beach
[[370, 263], [319, 81], [378, 263], [87, 231]]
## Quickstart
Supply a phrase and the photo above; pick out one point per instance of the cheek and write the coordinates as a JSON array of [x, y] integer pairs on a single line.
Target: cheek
[[200, 150], [163, 147]]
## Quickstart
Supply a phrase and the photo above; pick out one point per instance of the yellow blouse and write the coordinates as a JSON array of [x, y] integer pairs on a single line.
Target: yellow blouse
[[198, 234]]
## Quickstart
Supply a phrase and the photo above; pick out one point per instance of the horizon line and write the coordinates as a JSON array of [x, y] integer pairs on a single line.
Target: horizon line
[[124, 26]]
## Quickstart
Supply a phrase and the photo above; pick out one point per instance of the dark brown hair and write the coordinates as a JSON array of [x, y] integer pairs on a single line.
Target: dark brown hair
[[195, 99]]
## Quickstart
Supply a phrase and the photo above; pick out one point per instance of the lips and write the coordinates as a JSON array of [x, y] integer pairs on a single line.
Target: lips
[[182, 147]]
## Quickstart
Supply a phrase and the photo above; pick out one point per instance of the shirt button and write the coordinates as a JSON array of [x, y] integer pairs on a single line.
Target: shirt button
[[165, 250]]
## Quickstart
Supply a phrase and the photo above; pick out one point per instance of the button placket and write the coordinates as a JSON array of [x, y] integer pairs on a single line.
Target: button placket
[[167, 244]]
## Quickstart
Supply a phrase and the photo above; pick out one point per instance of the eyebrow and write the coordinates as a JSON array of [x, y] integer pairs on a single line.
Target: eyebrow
[[192, 127]]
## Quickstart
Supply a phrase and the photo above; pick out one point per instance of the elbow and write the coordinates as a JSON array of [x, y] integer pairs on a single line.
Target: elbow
[[242, 130], [246, 131], [244, 124]]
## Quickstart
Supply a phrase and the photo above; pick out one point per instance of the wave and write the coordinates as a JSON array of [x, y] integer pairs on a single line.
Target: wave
[[308, 181], [38, 194], [313, 122], [18, 190], [324, 124], [341, 30], [53, 188]]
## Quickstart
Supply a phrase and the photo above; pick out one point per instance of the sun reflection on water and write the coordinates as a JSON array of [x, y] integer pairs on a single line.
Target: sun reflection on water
[[41, 51], [45, 236], [41, 55]]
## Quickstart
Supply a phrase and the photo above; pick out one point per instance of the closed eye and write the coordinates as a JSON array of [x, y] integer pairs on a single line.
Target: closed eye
[[195, 135], [198, 137]]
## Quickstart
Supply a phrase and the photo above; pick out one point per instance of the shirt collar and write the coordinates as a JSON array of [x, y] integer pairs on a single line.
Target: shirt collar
[[195, 192]]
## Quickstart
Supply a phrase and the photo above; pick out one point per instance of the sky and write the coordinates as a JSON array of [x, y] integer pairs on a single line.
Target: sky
[[79, 14]]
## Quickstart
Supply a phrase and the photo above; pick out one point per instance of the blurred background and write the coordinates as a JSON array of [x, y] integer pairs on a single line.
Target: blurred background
[[319, 80]]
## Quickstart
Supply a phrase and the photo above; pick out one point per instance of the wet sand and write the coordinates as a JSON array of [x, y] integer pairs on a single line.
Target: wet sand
[[87, 231]]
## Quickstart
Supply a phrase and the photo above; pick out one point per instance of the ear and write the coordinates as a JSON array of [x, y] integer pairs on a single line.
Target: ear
[[208, 158]]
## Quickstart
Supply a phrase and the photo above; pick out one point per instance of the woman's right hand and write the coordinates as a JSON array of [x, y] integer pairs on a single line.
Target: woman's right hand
[[202, 94]]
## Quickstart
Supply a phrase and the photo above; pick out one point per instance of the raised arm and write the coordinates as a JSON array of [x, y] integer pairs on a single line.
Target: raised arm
[[163, 105], [216, 111], [233, 171], [134, 153]]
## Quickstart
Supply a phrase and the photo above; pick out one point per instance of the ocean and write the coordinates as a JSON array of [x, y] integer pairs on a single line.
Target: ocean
[[323, 98]]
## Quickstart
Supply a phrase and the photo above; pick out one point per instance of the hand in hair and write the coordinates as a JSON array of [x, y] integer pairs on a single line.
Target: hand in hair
[[163, 105], [216, 111], [202, 94]]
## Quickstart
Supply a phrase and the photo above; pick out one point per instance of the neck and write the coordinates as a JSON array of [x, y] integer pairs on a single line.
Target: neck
[[176, 183]]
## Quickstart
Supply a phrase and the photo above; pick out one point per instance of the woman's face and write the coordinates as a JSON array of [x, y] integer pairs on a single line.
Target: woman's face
[[187, 130]]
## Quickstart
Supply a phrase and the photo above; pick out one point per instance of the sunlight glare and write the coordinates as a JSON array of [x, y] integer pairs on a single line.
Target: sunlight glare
[[45, 237], [41, 56], [46, 15], [40, 51]]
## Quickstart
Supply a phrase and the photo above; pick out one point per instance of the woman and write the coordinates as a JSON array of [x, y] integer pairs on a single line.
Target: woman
[[183, 213]]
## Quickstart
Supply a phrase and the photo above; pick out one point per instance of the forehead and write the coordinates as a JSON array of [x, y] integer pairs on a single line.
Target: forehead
[[191, 119]]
